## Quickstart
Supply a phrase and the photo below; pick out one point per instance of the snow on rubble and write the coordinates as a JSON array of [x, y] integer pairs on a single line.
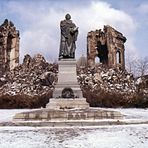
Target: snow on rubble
[[33, 77]]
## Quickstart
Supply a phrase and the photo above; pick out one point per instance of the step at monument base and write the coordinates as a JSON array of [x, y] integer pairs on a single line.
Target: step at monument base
[[67, 103]]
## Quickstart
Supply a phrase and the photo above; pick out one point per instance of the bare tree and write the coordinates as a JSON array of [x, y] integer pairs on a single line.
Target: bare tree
[[137, 66], [130, 64], [142, 66]]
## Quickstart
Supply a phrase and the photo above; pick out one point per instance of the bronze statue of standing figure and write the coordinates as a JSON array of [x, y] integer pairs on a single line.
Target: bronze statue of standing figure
[[69, 33]]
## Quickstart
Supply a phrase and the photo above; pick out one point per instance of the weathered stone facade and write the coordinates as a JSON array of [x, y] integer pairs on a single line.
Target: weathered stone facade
[[9, 46], [108, 46]]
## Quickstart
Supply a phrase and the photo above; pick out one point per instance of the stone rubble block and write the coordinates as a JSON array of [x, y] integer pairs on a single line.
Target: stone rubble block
[[114, 81], [33, 77]]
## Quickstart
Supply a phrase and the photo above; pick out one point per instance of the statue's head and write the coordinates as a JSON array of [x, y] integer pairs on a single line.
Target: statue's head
[[67, 16]]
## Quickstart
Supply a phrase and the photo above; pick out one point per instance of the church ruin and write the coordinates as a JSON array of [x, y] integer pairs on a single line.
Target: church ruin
[[108, 46], [9, 46]]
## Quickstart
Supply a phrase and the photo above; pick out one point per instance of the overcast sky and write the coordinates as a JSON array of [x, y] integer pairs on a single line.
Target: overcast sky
[[38, 23]]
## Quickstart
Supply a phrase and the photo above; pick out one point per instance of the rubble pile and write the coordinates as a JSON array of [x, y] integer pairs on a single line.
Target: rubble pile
[[108, 80], [31, 83], [33, 77], [114, 87]]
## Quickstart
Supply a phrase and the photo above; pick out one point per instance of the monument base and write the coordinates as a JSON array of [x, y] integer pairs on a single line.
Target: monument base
[[67, 115], [67, 104], [63, 103]]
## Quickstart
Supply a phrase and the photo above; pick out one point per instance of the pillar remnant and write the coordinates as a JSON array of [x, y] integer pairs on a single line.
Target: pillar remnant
[[9, 46]]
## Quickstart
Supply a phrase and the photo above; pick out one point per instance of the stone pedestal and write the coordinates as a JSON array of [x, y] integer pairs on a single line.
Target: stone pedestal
[[67, 93], [67, 78]]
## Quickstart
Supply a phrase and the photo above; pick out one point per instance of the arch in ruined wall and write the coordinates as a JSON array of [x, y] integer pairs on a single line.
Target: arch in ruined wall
[[118, 57]]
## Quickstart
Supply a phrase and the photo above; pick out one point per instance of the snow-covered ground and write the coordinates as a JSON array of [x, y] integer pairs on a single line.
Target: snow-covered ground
[[7, 114], [133, 113], [119, 136], [131, 136]]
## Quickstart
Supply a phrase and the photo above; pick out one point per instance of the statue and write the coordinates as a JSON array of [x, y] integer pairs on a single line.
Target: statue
[[69, 33]]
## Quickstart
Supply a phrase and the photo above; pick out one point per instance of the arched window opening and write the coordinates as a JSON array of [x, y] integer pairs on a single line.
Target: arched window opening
[[9, 43], [97, 60], [118, 56], [102, 52]]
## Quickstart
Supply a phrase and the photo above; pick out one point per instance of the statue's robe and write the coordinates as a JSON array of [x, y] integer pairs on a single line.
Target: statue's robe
[[69, 34]]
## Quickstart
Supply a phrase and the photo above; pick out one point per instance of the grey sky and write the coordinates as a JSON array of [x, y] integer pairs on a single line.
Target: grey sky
[[38, 22]]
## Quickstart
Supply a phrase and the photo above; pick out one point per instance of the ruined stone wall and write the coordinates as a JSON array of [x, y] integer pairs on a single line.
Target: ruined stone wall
[[9, 46], [108, 46]]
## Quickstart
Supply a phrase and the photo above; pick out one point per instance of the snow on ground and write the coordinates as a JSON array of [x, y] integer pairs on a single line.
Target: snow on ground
[[119, 136], [132, 113], [125, 136], [7, 114]]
